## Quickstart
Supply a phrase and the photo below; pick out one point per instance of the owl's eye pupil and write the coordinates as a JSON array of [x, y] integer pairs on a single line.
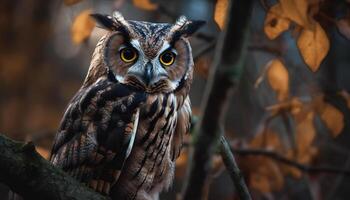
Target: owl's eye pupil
[[167, 58], [128, 55]]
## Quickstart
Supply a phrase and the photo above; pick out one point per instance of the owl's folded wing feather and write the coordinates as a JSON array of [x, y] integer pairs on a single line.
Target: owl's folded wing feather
[[97, 133], [182, 127]]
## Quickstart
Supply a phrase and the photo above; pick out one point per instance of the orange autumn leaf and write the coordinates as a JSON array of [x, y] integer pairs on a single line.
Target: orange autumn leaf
[[220, 12], [278, 78], [304, 137], [269, 139], [145, 4], [305, 130], [82, 27], [333, 119], [296, 10], [304, 158], [313, 46], [267, 176], [71, 2], [275, 23]]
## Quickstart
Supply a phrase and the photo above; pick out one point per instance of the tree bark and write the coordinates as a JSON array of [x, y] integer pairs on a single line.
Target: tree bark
[[33, 177], [224, 76]]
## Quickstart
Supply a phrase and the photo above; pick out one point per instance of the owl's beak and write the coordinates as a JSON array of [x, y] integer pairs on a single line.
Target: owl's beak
[[148, 73]]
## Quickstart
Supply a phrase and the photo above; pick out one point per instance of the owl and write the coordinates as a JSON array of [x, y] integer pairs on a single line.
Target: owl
[[123, 130]]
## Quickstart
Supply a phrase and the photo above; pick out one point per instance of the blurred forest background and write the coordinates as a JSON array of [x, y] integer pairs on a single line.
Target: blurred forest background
[[288, 120]]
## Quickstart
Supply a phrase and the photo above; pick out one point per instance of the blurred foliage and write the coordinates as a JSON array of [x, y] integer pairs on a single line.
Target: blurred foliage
[[82, 27]]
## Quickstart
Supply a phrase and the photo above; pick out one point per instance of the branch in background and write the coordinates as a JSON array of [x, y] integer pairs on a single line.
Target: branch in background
[[279, 158], [282, 159], [232, 168], [33, 177], [225, 73]]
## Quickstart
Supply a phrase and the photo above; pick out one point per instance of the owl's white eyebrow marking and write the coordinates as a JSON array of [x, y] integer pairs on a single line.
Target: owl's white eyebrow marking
[[166, 46], [135, 43]]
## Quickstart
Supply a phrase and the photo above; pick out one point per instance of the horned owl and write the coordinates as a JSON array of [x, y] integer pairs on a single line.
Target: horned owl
[[122, 131]]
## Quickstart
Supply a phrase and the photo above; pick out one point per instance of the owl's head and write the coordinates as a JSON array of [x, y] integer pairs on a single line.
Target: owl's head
[[155, 57]]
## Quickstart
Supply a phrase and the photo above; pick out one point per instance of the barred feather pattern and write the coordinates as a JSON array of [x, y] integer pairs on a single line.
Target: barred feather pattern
[[95, 134]]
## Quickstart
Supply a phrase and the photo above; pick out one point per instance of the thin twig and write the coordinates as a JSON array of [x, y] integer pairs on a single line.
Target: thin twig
[[284, 160], [276, 156], [232, 168]]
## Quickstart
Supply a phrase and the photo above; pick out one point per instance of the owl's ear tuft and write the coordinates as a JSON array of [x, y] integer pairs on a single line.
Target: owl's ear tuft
[[114, 23], [104, 21], [192, 26], [185, 28]]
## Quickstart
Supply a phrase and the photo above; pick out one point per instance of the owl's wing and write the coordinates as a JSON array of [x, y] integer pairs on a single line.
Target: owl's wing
[[182, 127], [97, 133]]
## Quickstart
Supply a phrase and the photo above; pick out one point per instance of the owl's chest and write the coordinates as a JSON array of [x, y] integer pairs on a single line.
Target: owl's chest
[[157, 121], [149, 164]]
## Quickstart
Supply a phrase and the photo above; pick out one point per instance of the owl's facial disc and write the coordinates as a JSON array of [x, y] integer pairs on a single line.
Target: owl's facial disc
[[155, 57], [150, 72]]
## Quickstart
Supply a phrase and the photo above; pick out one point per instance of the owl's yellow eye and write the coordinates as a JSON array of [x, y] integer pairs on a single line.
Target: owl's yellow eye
[[167, 58], [128, 55]]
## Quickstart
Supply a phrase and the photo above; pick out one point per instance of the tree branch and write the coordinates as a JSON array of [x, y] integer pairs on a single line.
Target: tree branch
[[284, 160], [33, 177], [225, 73], [232, 168]]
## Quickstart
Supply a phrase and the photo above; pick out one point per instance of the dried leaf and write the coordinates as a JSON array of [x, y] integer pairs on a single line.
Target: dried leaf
[[289, 170], [145, 4], [305, 131], [333, 119], [344, 27], [313, 46], [305, 158], [82, 27], [275, 23], [278, 78], [267, 176], [269, 140], [296, 10], [71, 2], [220, 12]]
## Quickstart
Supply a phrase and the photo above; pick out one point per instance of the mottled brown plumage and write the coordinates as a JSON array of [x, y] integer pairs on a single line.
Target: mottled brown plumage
[[123, 130]]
